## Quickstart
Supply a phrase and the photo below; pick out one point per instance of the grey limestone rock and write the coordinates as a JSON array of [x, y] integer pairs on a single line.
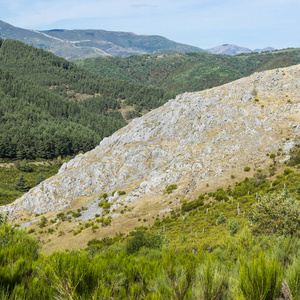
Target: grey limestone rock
[[194, 138]]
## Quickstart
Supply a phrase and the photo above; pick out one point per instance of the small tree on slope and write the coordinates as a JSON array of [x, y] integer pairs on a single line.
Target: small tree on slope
[[277, 214]]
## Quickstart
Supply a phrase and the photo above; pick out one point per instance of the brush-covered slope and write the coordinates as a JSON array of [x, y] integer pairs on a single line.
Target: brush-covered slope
[[188, 72], [194, 140]]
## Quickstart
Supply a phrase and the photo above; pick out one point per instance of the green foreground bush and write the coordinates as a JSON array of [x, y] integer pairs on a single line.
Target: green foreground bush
[[152, 272], [225, 257]]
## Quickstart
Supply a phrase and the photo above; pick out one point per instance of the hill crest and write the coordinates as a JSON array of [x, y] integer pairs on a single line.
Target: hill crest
[[194, 140], [230, 49], [75, 44]]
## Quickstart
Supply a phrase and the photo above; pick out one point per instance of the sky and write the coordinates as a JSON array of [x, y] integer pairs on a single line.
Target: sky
[[202, 23]]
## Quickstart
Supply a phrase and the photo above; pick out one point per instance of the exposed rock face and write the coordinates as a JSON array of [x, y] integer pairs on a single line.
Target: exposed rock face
[[191, 140]]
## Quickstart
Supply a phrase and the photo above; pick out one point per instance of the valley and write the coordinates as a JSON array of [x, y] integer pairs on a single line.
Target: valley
[[177, 199], [187, 142]]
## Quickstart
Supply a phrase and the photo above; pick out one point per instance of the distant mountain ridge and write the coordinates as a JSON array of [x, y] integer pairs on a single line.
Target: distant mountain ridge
[[230, 49], [76, 44]]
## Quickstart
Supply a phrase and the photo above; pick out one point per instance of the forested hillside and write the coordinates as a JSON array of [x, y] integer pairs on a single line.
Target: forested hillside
[[187, 72], [51, 107]]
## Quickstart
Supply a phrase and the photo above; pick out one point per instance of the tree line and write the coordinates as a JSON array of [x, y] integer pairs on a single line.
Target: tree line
[[188, 72]]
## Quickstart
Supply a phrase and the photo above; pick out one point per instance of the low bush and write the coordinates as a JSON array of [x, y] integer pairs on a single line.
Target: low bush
[[188, 206]]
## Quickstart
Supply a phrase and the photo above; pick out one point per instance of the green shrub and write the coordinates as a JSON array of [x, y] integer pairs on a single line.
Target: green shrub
[[21, 184], [94, 227], [76, 214], [212, 282], [220, 195], [188, 206], [287, 171], [25, 166], [247, 169], [170, 188], [277, 214], [234, 226], [293, 278], [142, 239], [43, 222], [294, 156], [106, 221], [61, 216], [18, 252], [260, 279], [40, 177], [104, 205], [221, 219]]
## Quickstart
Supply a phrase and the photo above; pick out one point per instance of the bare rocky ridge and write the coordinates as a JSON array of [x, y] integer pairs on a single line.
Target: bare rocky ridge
[[195, 139]]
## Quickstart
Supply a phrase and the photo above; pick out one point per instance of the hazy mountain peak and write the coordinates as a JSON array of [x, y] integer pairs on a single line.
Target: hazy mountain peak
[[230, 49]]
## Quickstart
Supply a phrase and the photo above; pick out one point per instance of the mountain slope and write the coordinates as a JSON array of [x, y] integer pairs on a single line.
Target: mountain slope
[[121, 43], [195, 140], [75, 44], [230, 49], [50, 107], [188, 72], [46, 42]]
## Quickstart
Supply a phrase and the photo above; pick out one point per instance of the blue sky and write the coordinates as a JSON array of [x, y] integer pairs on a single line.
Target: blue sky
[[202, 23]]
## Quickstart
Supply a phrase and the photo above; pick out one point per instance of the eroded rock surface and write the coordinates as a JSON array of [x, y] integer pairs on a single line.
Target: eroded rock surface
[[195, 138]]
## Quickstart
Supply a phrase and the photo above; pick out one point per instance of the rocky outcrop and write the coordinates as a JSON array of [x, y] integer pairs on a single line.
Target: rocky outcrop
[[192, 140]]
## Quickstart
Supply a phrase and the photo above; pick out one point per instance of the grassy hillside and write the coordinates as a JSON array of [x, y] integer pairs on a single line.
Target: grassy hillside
[[189, 224], [186, 72], [51, 107], [18, 177], [238, 243]]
